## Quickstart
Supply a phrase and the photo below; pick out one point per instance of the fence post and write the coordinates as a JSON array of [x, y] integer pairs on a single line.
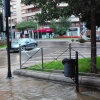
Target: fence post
[[77, 80], [70, 51], [42, 57], [20, 55]]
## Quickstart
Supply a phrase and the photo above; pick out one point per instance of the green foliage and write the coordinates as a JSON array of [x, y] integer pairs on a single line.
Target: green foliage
[[80, 8], [61, 31], [53, 25], [83, 64], [1, 3], [81, 40], [60, 28], [49, 9], [26, 24], [72, 40]]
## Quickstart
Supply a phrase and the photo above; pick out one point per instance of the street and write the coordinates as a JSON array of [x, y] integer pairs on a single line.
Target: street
[[25, 88], [49, 50]]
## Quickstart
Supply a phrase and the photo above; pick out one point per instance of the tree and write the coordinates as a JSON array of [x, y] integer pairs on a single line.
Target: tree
[[49, 10], [25, 25], [88, 9], [0, 3], [60, 27], [53, 25]]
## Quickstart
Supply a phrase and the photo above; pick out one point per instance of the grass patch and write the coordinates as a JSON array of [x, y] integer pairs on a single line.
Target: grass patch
[[3, 46], [83, 65]]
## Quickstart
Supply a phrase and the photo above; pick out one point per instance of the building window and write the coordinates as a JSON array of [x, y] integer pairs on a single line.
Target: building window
[[13, 0], [23, 11], [77, 23], [30, 17], [13, 6], [23, 18], [22, 5], [13, 13], [14, 21], [29, 10]]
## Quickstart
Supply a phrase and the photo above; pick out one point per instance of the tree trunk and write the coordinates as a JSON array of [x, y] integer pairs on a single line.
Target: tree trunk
[[93, 38]]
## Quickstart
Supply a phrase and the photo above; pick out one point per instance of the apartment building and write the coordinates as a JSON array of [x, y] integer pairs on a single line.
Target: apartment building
[[20, 12]]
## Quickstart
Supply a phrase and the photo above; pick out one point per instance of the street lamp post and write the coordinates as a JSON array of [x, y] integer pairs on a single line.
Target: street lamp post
[[11, 24], [37, 30], [7, 14]]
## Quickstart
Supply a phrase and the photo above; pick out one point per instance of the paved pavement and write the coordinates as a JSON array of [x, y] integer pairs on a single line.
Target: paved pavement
[[91, 80]]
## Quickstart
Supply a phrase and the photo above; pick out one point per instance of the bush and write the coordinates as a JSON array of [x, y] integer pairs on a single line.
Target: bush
[[81, 40], [72, 40], [2, 42], [65, 36]]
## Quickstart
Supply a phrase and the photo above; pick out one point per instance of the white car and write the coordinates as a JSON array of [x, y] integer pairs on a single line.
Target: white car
[[25, 43]]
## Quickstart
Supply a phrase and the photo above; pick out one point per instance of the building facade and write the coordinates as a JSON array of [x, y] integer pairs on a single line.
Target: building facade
[[21, 12]]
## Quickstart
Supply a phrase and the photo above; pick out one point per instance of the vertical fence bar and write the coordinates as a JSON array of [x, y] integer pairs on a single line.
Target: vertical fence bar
[[20, 55], [42, 57], [77, 80], [69, 51]]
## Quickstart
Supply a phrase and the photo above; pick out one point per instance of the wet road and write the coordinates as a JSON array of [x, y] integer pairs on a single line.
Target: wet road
[[51, 50], [25, 88]]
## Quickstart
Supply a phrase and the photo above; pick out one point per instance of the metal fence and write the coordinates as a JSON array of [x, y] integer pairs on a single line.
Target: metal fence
[[38, 56]]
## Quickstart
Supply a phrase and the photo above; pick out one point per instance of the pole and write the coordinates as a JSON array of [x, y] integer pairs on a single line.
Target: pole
[[69, 51], [8, 49], [20, 54], [37, 30], [77, 81], [42, 57], [11, 24]]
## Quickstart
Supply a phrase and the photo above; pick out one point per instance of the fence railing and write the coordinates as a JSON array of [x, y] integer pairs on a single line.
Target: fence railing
[[38, 56]]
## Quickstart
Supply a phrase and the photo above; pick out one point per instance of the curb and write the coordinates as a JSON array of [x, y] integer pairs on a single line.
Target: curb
[[88, 81], [1, 49]]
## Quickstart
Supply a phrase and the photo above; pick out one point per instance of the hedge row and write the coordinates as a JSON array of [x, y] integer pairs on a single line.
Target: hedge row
[[68, 36]]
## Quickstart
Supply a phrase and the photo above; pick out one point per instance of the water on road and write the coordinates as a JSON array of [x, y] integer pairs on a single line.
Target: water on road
[[26, 88]]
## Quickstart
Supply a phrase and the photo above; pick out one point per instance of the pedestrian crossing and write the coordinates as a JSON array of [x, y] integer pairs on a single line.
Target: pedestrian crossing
[[51, 55], [54, 56]]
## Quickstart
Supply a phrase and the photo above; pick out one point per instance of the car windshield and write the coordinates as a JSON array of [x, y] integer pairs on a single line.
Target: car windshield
[[19, 40]]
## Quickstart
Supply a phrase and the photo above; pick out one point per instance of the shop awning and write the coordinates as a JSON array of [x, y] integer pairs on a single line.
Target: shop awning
[[44, 30]]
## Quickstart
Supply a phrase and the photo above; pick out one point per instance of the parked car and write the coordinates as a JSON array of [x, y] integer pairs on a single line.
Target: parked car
[[25, 43]]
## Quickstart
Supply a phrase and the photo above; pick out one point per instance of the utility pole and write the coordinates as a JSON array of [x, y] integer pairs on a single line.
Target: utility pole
[[11, 24], [93, 37], [7, 14], [37, 29]]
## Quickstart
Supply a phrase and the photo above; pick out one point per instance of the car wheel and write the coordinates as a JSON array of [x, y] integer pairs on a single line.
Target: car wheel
[[24, 48]]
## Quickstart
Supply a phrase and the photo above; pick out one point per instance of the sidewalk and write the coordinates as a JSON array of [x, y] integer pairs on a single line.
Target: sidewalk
[[1, 49], [88, 81]]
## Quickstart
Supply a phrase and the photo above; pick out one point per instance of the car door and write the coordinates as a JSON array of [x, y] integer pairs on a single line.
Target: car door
[[32, 44], [29, 43]]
